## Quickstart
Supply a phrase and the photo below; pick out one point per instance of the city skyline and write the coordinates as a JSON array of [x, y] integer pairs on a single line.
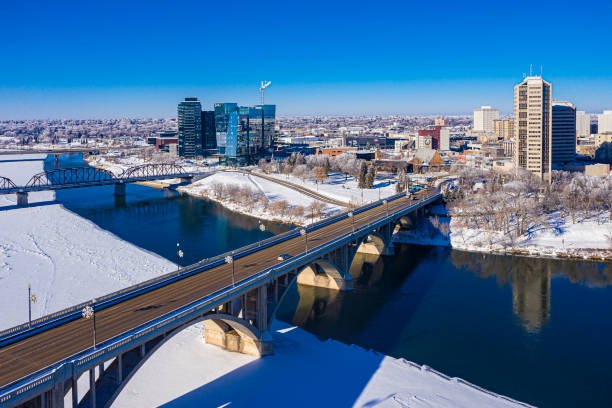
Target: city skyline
[[322, 59]]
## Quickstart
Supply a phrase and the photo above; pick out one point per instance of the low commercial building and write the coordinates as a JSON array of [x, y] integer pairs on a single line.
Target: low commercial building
[[334, 151], [163, 140]]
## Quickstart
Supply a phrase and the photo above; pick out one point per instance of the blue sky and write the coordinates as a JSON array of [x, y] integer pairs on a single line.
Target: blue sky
[[138, 59]]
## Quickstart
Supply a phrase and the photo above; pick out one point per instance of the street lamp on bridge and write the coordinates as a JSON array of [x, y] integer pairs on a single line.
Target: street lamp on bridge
[[304, 233], [179, 255], [350, 214], [31, 299], [262, 228], [230, 260], [89, 314]]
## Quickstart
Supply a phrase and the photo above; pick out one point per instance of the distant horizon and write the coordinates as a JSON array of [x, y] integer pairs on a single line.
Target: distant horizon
[[140, 59]]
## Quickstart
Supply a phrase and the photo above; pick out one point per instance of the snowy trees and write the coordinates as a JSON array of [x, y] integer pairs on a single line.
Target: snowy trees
[[362, 175], [516, 203], [320, 173], [304, 167], [315, 210], [402, 182], [369, 178]]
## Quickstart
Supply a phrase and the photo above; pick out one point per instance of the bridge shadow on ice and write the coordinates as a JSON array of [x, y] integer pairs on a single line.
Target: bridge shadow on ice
[[303, 372]]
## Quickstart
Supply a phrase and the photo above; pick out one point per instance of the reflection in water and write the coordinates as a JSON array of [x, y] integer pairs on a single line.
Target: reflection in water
[[531, 297], [530, 280], [487, 318]]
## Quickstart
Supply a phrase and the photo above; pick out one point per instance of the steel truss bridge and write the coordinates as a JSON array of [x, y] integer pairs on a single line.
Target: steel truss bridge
[[235, 295], [57, 179]]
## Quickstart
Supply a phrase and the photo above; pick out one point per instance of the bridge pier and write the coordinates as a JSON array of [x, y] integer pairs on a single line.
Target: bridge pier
[[324, 274], [186, 180], [22, 198], [119, 189]]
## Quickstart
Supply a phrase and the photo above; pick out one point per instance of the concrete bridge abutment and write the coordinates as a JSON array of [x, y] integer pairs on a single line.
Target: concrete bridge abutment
[[221, 334], [22, 198], [324, 274], [119, 189]]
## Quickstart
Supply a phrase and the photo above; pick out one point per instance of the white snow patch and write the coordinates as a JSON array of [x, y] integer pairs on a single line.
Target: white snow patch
[[65, 258], [303, 372]]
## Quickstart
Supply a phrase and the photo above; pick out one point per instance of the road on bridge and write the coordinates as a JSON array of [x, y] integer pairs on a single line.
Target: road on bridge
[[35, 353]]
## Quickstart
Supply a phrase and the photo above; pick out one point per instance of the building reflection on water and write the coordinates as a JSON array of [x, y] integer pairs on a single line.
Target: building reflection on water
[[530, 279], [332, 314]]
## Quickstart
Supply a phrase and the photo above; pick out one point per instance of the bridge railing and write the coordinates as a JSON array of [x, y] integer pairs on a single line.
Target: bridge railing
[[58, 317], [43, 376]]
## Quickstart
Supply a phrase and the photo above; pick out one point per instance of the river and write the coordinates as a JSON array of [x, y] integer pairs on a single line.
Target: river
[[538, 330]]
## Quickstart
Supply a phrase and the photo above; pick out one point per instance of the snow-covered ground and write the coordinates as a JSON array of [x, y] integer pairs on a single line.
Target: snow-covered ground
[[303, 372], [272, 190], [65, 258], [335, 187], [558, 237]]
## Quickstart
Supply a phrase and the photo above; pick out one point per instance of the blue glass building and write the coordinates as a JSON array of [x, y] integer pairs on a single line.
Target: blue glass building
[[244, 134]]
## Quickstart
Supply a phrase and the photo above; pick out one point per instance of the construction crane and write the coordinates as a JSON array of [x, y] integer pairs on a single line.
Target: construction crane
[[264, 85]]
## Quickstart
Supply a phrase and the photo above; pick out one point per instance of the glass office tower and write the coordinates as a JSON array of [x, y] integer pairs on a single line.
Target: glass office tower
[[190, 128], [245, 134], [222, 113], [209, 138]]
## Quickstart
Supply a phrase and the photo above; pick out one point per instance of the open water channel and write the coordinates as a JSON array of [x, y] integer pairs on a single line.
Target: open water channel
[[538, 330]]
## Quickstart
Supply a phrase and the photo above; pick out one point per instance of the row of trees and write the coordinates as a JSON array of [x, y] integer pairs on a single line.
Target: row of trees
[[250, 199], [513, 203], [319, 167]]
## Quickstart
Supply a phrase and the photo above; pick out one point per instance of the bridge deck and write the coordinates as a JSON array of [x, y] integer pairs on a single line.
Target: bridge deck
[[49, 347]]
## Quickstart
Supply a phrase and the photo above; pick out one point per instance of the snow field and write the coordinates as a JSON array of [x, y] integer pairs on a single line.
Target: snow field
[[303, 372], [65, 258], [272, 190]]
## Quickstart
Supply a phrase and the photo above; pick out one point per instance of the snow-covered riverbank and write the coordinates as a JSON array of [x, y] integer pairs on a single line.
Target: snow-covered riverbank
[[556, 237], [266, 200], [303, 372], [65, 258]]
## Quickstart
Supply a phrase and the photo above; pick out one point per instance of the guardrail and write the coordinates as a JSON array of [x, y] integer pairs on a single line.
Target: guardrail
[[46, 322]]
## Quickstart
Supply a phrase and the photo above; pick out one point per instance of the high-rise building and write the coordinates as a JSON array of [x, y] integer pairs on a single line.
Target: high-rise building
[[190, 128], [245, 134], [439, 122], [444, 139], [436, 133], [484, 117], [583, 124], [209, 133], [222, 123], [533, 126], [604, 122], [563, 148], [503, 129]]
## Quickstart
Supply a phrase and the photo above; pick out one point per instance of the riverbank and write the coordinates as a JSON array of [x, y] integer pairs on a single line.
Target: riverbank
[[260, 198], [342, 375], [65, 258], [557, 236]]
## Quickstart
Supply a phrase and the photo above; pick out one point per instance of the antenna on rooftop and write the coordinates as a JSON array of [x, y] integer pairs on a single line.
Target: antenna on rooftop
[[530, 69], [541, 70], [264, 85]]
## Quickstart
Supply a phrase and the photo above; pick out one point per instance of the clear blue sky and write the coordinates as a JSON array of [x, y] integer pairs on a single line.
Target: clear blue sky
[[85, 59]]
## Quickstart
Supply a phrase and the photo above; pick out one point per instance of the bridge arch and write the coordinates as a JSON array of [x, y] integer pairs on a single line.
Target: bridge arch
[[153, 169], [74, 175], [6, 183], [372, 243], [211, 321], [322, 273]]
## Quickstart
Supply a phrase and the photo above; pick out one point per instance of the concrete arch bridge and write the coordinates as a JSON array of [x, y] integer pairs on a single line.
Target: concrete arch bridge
[[235, 295]]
